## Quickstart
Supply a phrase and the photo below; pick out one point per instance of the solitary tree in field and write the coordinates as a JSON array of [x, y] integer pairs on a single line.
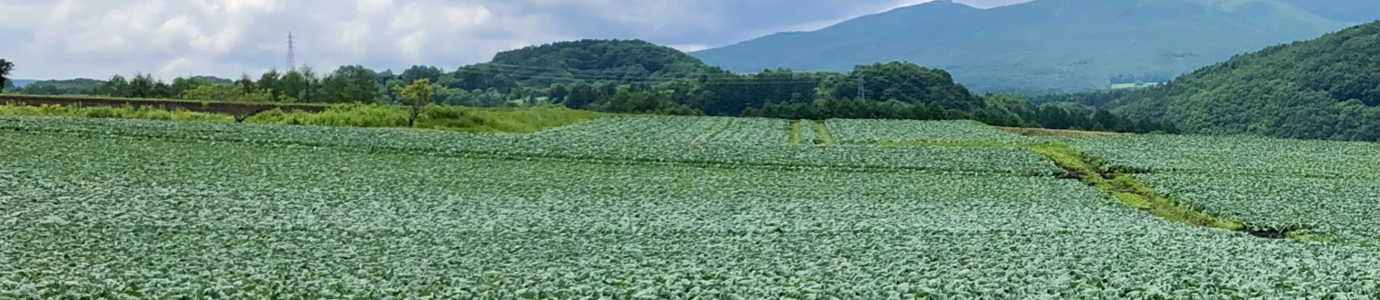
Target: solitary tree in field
[[5, 68], [417, 95]]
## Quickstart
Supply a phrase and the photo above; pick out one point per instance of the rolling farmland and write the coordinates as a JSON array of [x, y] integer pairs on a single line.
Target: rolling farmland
[[643, 208]]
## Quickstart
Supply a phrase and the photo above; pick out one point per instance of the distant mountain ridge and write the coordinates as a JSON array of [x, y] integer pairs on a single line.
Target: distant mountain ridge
[[1049, 45], [21, 82]]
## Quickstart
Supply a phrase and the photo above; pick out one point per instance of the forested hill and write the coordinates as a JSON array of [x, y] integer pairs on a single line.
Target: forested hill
[[1050, 45], [592, 60], [1327, 88]]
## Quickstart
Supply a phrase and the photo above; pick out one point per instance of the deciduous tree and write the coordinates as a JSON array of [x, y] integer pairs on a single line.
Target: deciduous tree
[[5, 68], [418, 95]]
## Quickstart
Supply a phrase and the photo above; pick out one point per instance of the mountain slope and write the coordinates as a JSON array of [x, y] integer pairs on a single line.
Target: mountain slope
[[1327, 88], [1040, 45], [592, 60]]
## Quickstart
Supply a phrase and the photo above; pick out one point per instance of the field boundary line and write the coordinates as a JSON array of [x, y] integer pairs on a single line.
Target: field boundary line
[[1126, 188]]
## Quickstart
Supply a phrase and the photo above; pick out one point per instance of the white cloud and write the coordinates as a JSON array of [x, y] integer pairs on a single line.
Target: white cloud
[[689, 47], [98, 38], [462, 18]]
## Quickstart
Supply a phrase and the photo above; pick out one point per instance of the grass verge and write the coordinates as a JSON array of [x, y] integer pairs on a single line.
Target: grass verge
[[822, 131], [113, 112], [797, 132], [451, 118], [1126, 188]]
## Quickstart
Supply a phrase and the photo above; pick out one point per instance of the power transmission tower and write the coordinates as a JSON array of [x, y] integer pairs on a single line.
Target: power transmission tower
[[292, 56], [862, 87]]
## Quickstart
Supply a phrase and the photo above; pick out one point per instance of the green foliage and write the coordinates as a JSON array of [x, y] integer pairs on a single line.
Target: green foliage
[[1101, 98], [113, 112], [417, 96], [498, 120], [668, 83], [450, 118], [1327, 88], [79, 86], [350, 84], [909, 83], [228, 93], [529, 120], [5, 68], [348, 115], [673, 84], [646, 102], [584, 61]]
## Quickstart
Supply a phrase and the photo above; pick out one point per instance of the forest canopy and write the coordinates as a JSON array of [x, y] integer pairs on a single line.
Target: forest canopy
[[1327, 88]]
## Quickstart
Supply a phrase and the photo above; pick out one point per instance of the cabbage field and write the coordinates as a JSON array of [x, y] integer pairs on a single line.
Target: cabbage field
[[1325, 187], [875, 131], [617, 208]]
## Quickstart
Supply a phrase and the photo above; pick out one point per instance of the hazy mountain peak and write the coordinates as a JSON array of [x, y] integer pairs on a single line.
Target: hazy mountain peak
[[1040, 45]]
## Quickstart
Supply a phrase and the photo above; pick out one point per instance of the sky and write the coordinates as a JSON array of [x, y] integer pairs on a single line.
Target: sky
[[57, 39]]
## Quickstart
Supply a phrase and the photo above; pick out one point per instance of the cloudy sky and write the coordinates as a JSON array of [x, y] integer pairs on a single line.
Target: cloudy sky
[[97, 38]]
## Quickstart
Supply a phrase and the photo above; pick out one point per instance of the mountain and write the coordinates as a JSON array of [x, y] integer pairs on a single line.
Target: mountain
[[19, 83], [1044, 45], [1327, 88]]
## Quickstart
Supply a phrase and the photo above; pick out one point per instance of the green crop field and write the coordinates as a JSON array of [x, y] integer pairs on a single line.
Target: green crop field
[[1325, 187], [658, 208]]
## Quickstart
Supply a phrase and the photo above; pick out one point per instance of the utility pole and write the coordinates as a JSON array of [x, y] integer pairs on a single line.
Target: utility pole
[[292, 56]]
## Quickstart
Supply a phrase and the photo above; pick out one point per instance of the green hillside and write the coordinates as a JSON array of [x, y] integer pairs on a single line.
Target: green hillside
[[1045, 45], [1327, 88], [590, 61]]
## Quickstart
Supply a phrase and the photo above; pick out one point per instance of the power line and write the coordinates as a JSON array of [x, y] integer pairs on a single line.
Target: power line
[[648, 80], [714, 78], [605, 73]]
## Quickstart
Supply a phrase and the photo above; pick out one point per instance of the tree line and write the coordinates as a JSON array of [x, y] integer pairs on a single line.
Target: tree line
[[890, 91], [636, 77]]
